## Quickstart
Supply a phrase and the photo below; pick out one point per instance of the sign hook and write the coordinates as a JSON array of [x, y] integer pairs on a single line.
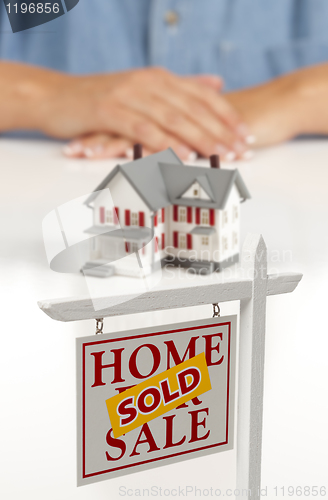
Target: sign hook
[[216, 311], [99, 325]]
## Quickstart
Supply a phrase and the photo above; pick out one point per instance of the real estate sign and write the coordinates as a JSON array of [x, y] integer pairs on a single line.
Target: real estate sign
[[155, 396]]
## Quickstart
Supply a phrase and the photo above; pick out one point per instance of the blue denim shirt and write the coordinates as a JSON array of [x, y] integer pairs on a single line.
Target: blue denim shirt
[[245, 41]]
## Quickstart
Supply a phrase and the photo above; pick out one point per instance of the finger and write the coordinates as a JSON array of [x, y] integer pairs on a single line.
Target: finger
[[124, 121], [180, 93], [213, 101], [206, 140], [97, 146], [212, 81]]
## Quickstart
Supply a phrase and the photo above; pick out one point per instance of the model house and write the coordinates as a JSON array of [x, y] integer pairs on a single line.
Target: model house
[[157, 209]]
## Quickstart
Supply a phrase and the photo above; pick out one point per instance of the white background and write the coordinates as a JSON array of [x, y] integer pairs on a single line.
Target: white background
[[37, 429]]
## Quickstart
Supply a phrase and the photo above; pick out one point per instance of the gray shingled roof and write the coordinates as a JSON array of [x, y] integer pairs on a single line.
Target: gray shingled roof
[[161, 180], [203, 230], [146, 178], [178, 178]]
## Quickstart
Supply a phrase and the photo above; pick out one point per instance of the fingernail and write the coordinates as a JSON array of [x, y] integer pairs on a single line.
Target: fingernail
[[221, 150], [73, 148], [250, 139], [242, 129], [230, 156], [224, 153], [68, 151], [239, 147], [248, 155], [129, 153], [89, 153], [183, 152], [192, 156]]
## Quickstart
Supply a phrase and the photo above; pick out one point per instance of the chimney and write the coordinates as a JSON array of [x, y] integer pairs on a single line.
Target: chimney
[[215, 161], [137, 151]]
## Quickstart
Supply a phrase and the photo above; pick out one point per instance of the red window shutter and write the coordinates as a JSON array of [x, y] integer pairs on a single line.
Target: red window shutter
[[189, 241], [127, 217], [155, 220], [116, 215], [156, 244], [163, 241], [102, 215], [141, 219], [212, 217], [175, 213], [197, 215], [189, 215], [163, 214], [175, 239], [127, 247]]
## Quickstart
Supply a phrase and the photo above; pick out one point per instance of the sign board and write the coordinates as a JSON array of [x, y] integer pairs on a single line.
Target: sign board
[[135, 362]]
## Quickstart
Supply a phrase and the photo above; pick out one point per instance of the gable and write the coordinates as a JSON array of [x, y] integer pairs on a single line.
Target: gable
[[217, 184], [195, 192]]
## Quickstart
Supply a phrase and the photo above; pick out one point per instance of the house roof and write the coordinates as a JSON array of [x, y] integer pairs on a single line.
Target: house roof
[[161, 179], [146, 178], [203, 230], [178, 178]]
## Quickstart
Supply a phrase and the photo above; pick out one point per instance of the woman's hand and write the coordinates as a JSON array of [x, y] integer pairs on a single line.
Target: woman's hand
[[149, 106], [99, 146], [291, 105]]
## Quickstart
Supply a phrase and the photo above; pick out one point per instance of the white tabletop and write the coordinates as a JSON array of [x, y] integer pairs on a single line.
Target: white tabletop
[[289, 207]]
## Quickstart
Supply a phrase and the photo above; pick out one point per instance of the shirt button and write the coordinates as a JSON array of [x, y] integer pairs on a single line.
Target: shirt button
[[171, 17]]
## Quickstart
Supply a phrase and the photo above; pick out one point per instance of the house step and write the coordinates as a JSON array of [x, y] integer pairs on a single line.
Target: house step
[[98, 268], [95, 263]]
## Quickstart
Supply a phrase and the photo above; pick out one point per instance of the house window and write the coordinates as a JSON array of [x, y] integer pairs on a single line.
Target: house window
[[234, 213], [134, 247], [196, 192], [205, 241], [225, 243], [182, 241], [205, 219], [224, 217], [109, 216], [134, 219], [234, 239], [182, 214]]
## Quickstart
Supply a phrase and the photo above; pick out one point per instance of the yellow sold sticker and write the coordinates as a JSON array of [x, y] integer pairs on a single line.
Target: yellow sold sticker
[[158, 395]]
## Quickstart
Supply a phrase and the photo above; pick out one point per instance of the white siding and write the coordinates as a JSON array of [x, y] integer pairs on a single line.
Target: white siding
[[229, 225], [122, 195], [224, 243]]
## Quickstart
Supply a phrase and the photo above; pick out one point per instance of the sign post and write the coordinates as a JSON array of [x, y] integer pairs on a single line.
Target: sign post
[[251, 285]]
